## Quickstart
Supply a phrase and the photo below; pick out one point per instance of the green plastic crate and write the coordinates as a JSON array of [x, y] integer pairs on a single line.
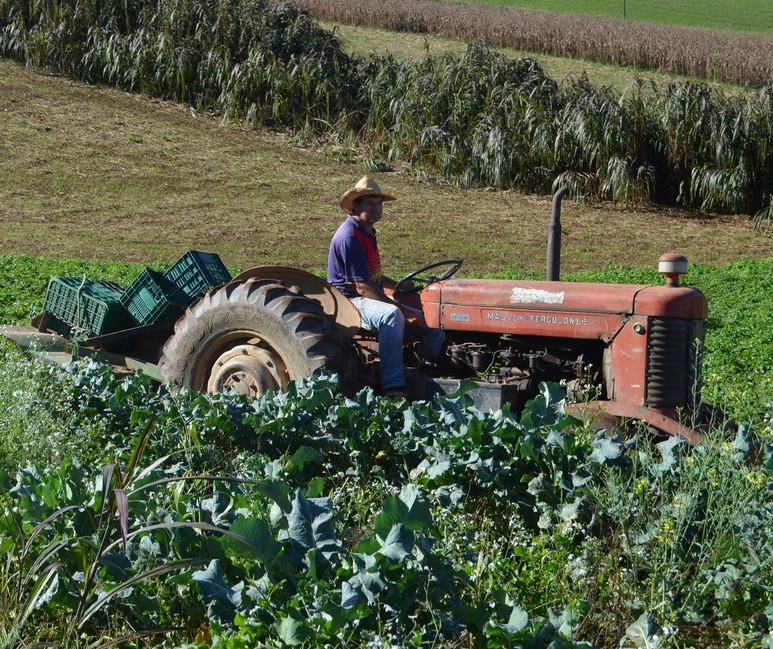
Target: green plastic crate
[[194, 273], [91, 307], [148, 299]]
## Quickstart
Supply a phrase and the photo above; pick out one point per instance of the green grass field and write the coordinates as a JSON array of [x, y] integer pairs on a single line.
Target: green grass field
[[94, 172], [748, 16]]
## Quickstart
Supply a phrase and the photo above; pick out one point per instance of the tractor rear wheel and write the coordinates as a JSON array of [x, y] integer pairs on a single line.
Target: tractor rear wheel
[[251, 337]]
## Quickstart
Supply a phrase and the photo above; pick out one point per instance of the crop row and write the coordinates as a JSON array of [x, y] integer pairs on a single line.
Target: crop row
[[713, 55], [475, 120]]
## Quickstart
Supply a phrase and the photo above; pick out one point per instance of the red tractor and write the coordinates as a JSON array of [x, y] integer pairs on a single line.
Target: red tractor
[[621, 351]]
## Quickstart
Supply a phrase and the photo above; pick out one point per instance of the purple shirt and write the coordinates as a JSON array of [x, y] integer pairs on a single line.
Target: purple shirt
[[353, 257]]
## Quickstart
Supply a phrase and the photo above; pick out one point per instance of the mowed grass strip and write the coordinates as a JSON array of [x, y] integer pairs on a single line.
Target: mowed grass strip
[[97, 173], [748, 16]]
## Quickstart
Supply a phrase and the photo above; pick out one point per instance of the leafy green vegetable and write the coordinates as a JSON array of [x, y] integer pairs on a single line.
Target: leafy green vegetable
[[309, 517]]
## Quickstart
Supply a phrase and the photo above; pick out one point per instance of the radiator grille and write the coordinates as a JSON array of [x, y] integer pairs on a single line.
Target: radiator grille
[[674, 362]]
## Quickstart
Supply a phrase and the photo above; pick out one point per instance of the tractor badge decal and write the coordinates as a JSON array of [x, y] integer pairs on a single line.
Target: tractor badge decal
[[533, 295]]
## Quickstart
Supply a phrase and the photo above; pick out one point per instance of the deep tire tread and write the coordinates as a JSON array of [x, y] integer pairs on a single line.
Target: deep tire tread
[[303, 335]]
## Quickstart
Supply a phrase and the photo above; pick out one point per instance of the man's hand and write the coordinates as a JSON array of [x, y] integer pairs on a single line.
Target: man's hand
[[412, 317], [371, 291]]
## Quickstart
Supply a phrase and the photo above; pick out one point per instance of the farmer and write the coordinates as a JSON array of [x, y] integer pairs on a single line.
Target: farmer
[[354, 268]]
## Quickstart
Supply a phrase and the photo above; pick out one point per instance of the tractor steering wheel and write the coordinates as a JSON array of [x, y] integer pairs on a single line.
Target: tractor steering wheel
[[405, 285]]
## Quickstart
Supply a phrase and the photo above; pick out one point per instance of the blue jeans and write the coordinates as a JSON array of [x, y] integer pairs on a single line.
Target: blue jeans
[[388, 320]]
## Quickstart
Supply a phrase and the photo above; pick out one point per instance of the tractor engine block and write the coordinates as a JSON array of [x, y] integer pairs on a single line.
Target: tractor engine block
[[524, 364]]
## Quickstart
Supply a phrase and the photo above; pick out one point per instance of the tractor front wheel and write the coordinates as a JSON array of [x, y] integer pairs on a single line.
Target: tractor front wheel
[[251, 337]]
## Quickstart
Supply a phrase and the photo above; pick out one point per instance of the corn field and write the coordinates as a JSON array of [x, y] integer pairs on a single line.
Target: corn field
[[230, 57], [478, 119], [707, 54]]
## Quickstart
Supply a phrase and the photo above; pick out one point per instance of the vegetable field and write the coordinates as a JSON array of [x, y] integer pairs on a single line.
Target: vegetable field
[[308, 519], [134, 516]]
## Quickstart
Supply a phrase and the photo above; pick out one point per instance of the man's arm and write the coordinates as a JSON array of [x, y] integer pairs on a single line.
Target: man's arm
[[369, 290]]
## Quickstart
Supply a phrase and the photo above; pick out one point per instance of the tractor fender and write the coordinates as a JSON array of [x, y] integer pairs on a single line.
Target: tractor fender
[[334, 303]]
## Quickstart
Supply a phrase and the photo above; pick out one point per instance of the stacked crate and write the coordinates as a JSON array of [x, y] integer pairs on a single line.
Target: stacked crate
[[154, 297], [194, 273], [90, 308], [148, 299], [85, 307]]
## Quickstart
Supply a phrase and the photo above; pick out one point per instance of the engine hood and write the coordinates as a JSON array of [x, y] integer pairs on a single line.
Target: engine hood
[[577, 297]]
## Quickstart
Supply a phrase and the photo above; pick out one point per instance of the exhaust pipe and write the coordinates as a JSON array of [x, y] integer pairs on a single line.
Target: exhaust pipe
[[554, 237]]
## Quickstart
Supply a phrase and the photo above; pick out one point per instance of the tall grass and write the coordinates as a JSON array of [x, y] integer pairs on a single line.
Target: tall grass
[[474, 120], [232, 57]]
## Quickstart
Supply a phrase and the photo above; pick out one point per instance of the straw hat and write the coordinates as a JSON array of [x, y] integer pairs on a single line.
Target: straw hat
[[365, 187]]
